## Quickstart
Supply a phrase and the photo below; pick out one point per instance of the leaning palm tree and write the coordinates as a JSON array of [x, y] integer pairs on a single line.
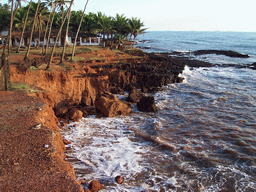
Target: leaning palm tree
[[64, 45], [136, 28], [51, 4], [31, 35], [50, 29], [5, 61], [50, 60], [73, 50], [24, 26], [15, 5]]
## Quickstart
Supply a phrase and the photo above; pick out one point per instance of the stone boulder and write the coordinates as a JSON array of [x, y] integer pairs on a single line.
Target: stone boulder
[[147, 104], [119, 179], [109, 105], [75, 114], [61, 111], [134, 96], [95, 186]]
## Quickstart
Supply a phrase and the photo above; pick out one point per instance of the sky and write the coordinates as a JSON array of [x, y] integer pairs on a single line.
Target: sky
[[180, 15]]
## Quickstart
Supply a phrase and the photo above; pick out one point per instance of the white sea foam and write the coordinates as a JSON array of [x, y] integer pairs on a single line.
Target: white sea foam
[[194, 138]]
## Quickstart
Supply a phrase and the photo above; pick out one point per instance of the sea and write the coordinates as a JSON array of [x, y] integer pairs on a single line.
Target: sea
[[203, 137]]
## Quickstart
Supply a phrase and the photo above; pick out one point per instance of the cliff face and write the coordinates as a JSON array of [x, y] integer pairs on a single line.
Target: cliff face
[[64, 88]]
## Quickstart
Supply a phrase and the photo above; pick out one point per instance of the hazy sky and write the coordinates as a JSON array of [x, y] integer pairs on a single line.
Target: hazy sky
[[182, 15]]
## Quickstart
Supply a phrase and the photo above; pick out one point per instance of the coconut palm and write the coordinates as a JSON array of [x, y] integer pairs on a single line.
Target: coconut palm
[[64, 45], [50, 29], [75, 20], [121, 26], [73, 50], [24, 26], [105, 24], [32, 30], [136, 27], [5, 62], [89, 24], [62, 4], [4, 16], [53, 49], [51, 4]]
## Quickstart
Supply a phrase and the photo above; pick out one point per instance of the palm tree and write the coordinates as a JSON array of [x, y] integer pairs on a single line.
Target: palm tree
[[50, 60], [136, 27], [75, 19], [89, 24], [105, 24], [73, 51], [121, 25], [51, 4], [5, 62], [62, 4], [50, 29], [31, 35], [15, 5], [64, 45], [24, 26]]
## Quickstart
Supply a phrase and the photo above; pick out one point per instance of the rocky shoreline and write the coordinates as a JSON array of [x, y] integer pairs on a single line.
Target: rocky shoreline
[[87, 89]]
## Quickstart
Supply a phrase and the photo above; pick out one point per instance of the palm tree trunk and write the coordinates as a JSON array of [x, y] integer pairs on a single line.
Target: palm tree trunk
[[73, 50], [7, 59], [46, 29], [31, 35], [50, 60], [64, 46], [13, 16], [50, 30], [23, 30]]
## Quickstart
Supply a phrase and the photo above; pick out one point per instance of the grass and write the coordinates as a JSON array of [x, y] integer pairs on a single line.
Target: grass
[[76, 58], [22, 87], [96, 58], [32, 68]]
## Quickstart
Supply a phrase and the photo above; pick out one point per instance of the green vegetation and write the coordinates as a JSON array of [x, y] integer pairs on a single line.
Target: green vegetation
[[46, 19], [32, 68], [24, 88], [76, 58], [92, 23]]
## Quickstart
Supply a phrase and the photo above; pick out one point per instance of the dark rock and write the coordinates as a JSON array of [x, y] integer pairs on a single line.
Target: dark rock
[[75, 114], [95, 186], [221, 52], [134, 96], [66, 142], [61, 111], [109, 105], [147, 104], [144, 89], [116, 90], [119, 179]]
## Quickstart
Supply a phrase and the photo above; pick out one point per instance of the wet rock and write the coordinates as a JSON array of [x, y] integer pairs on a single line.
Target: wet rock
[[110, 106], [221, 52], [75, 114], [119, 179], [95, 186], [116, 90], [134, 96], [61, 111], [66, 142], [82, 181], [147, 104]]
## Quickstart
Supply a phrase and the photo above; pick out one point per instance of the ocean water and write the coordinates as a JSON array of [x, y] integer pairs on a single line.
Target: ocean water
[[203, 138], [188, 41]]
